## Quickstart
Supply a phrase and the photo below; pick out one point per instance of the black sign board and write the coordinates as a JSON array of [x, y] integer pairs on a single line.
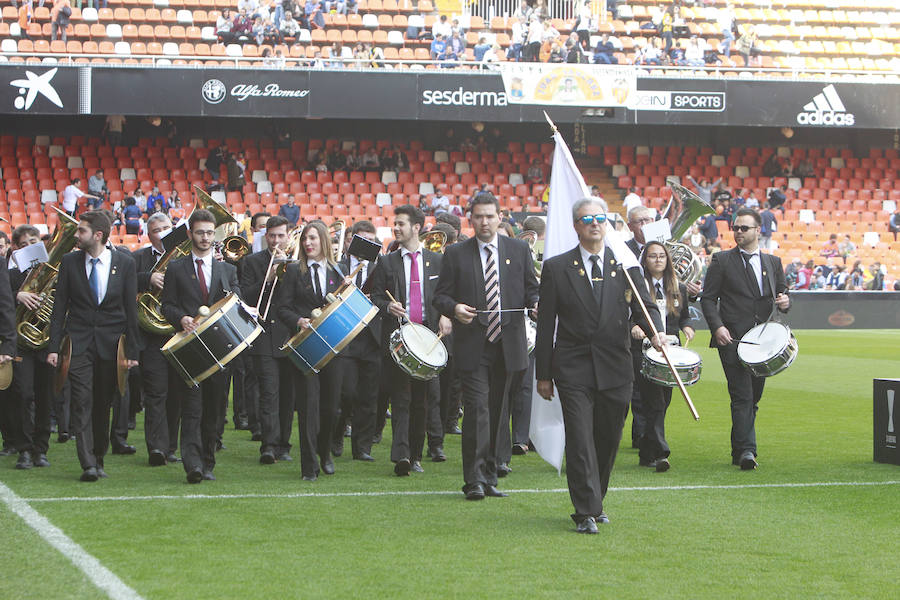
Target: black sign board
[[885, 408]]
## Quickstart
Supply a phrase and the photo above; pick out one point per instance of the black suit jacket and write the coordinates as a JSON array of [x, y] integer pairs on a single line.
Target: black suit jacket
[[252, 277], [89, 325], [593, 343], [144, 261], [296, 297], [462, 281], [16, 279], [390, 275], [7, 310], [730, 299], [366, 344], [181, 292]]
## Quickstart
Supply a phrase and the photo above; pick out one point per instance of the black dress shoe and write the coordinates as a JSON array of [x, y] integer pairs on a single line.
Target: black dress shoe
[[474, 491], [101, 473], [328, 466], [256, 437], [437, 454], [363, 456], [157, 458], [220, 446], [171, 457], [417, 467], [520, 449], [503, 470], [284, 457], [492, 491], [89, 474], [377, 438], [208, 476], [602, 518], [132, 424], [337, 446], [24, 461], [126, 449], [748, 461], [587, 525], [401, 469], [267, 458], [662, 465], [8, 451], [452, 429], [62, 438], [195, 476], [309, 478], [348, 431], [41, 461]]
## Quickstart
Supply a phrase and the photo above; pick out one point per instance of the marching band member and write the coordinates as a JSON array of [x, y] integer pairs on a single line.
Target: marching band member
[[671, 298], [586, 301], [305, 287], [410, 274], [198, 279], [94, 304], [479, 279], [161, 393], [739, 291], [361, 364], [273, 370]]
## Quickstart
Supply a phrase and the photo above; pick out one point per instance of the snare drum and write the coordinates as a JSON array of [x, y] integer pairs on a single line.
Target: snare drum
[[686, 362], [768, 349], [220, 336], [341, 321], [418, 351]]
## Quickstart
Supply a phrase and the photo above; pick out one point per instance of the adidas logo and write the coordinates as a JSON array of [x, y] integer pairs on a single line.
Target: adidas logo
[[826, 108]]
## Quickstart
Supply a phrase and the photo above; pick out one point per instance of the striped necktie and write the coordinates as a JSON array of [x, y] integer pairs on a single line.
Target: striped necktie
[[492, 293]]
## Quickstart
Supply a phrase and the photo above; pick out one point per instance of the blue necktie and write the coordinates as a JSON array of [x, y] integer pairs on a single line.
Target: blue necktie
[[94, 279]]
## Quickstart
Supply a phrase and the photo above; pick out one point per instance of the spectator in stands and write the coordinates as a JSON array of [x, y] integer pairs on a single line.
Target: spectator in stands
[[235, 173], [176, 210], [440, 203], [353, 161], [695, 239], [693, 54], [704, 189], [676, 55], [804, 276], [836, 279], [97, 188], [26, 16], [894, 223], [322, 165], [746, 44], [399, 160], [818, 279], [289, 27], [875, 277], [132, 217], [453, 221], [359, 55], [523, 13], [314, 16], [59, 19], [726, 26], [457, 44], [846, 248], [830, 247], [541, 10], [585, 22], [768, 225], [370, 160], [518, 39], [290, 211], [336, 159], [665, 28], [140, 200], [4, 244], [777, 197], [804, 169], [631, 199], [337, 56], [709, 229], [790, 273], [532, 49], [277, 12], [722, 194], [438, 49], [557, 53], [548, 32], [215, 160], [224, 27], [857, 277], [441, 27], [250, 7], [649, 54], [480, 49], [604, 52], [156, 202], [535, 172], [71, 195]]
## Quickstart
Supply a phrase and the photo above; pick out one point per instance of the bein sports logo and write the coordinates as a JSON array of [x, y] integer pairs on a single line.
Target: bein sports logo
[[214, 91], [826, 108], [33, 85]]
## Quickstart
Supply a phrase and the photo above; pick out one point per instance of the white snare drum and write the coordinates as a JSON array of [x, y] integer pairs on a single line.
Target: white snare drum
[[686, 362], [530, 334], [768, 349], [418, 351]]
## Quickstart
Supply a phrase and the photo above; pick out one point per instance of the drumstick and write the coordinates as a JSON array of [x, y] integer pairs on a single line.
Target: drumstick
[[434, 345], [751, 343], [391, 296]]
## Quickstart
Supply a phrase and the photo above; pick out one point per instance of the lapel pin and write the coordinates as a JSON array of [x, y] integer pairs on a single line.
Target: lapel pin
[[581, 272], [427, 264], [613, 274], [113, 272], [507, 261], [764, 272], [575, 262], [612, 261]]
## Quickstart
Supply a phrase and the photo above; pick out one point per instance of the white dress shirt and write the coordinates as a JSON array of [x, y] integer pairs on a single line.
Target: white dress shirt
[[407, 264], [323, 267], [102, 271], [207, 269], [660, 302], [364, 272], [589, 264], [495, 249], [756, 263]]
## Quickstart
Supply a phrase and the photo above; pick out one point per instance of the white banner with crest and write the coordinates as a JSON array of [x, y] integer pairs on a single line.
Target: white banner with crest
[[598, 86]]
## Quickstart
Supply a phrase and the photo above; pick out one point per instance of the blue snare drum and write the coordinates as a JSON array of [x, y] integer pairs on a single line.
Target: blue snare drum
[[341, 321]]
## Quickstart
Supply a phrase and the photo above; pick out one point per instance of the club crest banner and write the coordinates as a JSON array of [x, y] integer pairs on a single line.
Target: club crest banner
[[568, 85]]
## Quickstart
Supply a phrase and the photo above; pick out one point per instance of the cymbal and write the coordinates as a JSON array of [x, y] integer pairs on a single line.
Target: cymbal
[[62, 368], [121, 365]]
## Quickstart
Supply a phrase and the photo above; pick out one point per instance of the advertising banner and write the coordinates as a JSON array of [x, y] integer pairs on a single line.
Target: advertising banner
[[568, 84], [885, 419], [42, 90]]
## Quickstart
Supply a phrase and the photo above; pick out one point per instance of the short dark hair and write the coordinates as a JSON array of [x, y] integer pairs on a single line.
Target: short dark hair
[[22, 231], [363, 225], [259, 215], [129, 201], [416, 216], [273, 222], [450, 219], [485, 198], [748, 212], [98, 221], [201, 215], [535, 224]]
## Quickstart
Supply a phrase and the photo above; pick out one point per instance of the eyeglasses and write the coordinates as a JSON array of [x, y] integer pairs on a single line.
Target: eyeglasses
[[743, 228], [656, 257], [588, 219]]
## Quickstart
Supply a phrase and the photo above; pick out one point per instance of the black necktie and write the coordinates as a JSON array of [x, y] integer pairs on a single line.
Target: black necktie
[[750, 272], [316, 287], [359, 276], [659, 293], [597, 278]]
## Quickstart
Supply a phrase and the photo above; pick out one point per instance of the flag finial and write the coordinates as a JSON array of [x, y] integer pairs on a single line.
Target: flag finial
[[552, 124]]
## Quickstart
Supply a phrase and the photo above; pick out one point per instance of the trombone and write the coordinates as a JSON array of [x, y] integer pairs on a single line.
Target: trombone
[[338, 231], [292, 250]]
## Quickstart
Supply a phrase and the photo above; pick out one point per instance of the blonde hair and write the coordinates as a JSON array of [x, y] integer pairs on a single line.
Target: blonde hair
[[324, 240]]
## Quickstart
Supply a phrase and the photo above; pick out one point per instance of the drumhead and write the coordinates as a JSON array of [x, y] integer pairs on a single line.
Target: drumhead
[[421, 342], [680, 357], [769, 339]]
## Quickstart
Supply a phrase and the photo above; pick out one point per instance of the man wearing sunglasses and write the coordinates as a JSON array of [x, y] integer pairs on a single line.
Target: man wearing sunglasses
[[585, 299], [741, 287]]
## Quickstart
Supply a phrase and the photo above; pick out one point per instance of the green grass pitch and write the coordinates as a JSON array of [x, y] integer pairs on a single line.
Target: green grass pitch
[[704, 529]]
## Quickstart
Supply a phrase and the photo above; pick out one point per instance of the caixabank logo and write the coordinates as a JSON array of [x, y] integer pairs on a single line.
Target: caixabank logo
[[826, 108]]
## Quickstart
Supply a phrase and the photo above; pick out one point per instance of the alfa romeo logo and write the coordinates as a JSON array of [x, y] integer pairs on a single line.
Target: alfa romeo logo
[[214, 91]]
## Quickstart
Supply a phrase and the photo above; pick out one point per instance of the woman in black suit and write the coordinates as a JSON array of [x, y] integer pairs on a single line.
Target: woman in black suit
[[307, 282], [672, 299]]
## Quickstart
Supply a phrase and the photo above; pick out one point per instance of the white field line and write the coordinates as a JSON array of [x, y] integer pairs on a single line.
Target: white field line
[[99, 575], [661, 488]]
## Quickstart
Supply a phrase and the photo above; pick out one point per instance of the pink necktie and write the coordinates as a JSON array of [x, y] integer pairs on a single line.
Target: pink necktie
[[415, 289]]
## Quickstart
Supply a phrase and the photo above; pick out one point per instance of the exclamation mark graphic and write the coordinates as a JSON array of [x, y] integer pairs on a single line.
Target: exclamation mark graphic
[[890, 399]]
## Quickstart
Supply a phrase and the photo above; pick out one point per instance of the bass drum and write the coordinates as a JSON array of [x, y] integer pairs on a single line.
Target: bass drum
[[418, 351], [686, 362], [768, 349], [226, 331]]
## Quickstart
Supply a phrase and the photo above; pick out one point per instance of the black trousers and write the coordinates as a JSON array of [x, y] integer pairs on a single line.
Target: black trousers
[[593, 420], [62, 407], [93, 387], [31, 400], [160, 389], [385, 386], [306, 399], [8, 418], [450, 394], [276, 402], [409, 398], [521, 406], [484, 393], [201, 414], [655, 400], [121, 412], [330, 381], [637, 410], [360, 390], [745, 390]]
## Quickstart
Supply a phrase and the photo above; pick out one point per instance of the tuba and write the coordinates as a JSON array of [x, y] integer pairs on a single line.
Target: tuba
[[434, 241], [33, 326], [149, 307], [683, 210]]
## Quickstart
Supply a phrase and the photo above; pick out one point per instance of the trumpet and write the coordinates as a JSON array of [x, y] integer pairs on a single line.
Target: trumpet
[[338, 231], [434, 241]]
